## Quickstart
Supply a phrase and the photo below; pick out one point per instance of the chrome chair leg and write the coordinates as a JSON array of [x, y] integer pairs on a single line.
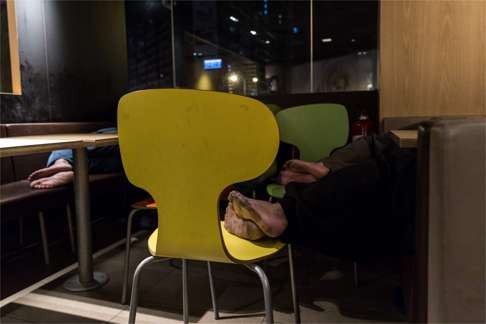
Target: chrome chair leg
[[185, 296], [267, 293], [126, 264], [136, 280], [213, 292], [45, 247], [295, 300], [69, 216]]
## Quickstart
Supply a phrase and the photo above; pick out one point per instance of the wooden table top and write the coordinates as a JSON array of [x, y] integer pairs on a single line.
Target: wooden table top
[[22, 145], [405, 138]]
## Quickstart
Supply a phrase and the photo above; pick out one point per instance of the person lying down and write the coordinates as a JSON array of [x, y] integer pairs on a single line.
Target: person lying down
[[59, 171], [361, 193], [361, 197]]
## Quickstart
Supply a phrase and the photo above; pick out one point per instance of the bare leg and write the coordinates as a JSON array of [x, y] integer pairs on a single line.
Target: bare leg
[[58, 166], [287, 176], [316, 169], [56, 180], [269, 217], [241, 227]]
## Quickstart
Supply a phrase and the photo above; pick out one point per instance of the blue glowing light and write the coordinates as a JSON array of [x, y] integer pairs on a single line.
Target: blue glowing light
[[213, 64]]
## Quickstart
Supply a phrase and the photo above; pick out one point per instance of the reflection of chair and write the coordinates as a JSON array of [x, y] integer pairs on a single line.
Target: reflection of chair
[[184, 147], [315, 130]]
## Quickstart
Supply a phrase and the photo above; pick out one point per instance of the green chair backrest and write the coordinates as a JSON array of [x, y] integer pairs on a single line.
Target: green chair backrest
[[315, 129], [184, 147]]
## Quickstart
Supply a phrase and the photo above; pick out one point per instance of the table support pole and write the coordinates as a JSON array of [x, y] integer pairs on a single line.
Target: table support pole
[[86, 280]]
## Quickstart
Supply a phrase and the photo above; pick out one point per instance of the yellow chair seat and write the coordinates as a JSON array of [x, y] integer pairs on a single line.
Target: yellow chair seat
[[238, 248]]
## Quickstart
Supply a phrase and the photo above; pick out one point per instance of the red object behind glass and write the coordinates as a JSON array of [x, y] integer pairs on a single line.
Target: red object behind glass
[[362, 127]]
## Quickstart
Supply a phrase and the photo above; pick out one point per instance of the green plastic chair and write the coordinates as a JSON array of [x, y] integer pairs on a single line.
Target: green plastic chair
[[315, 130]]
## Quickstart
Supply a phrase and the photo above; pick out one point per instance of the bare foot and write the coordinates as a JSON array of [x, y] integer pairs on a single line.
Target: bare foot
[[316, 169], [269, 217], [56, 180], [241, 227], [58, 166], [287, 176]]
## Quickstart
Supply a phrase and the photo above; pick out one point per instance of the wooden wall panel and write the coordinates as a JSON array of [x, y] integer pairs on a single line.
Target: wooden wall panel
[[432, 58]]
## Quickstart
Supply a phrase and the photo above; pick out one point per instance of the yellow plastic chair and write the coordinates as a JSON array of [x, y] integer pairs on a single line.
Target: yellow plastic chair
[[184, 147]]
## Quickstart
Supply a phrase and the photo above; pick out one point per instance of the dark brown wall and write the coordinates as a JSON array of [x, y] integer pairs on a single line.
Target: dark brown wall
[[73, 61]]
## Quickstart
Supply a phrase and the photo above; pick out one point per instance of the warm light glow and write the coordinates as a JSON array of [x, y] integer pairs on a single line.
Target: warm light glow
[[267, 42], [326, 40], [254, 79], [204, 82], [253, 32], [233, 18], [353, 40], [233, 77]]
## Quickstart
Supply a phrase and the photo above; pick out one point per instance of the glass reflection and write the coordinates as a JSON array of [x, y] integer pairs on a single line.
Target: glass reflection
[[263, 47]]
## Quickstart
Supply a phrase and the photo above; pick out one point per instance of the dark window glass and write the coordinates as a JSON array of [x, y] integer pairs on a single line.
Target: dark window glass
[[345, 45], [254, 48]]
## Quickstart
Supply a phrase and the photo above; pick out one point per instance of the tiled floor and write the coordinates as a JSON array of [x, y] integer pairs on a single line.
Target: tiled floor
[[238, 293]]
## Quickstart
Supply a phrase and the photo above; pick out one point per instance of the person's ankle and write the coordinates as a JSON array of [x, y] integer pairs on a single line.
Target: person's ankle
[[61, 161]]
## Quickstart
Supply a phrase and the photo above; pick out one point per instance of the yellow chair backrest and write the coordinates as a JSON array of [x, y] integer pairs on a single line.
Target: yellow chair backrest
[[184, 147]]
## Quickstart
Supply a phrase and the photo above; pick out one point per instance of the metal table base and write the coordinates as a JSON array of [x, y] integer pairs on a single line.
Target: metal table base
[[86, 279]]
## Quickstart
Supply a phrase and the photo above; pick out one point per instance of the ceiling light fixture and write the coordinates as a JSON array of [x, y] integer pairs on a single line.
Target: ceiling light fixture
[[267, 42], [253, 32], [233, 18], [254, 79], [326, 40]]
